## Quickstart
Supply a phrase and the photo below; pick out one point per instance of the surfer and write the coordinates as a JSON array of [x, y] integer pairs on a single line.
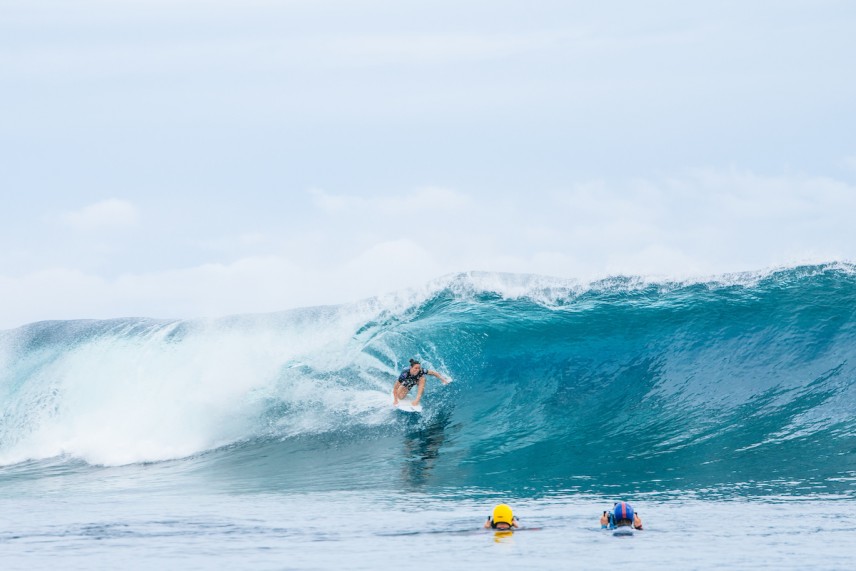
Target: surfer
[[502, 518], [411, 377], [622, 515]]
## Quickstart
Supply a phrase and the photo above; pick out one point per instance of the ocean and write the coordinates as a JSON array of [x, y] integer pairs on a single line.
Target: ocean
[[723, 409]]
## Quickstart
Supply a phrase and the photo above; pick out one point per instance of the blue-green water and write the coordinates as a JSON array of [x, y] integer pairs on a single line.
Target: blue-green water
[[384, 530], [724, 410]]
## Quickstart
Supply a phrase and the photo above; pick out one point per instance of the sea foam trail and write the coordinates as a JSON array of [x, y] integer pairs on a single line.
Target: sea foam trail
[[738, 379]]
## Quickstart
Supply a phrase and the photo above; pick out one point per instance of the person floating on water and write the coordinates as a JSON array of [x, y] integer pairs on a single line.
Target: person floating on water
[[622, 515], [415, 375], [502, 519]]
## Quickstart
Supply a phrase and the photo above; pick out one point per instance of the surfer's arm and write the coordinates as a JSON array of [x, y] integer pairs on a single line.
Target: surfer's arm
[[438, 375], [637, 521], [487, 523], [420, 388]]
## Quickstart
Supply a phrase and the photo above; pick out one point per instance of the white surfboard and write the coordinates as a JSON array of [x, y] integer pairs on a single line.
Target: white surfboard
[[407, 406]]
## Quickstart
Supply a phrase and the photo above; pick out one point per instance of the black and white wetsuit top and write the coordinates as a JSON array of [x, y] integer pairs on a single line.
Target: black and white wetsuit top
[[409, 380]]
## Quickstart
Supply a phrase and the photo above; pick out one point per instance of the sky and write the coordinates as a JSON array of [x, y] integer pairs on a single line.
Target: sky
[[188, 158]]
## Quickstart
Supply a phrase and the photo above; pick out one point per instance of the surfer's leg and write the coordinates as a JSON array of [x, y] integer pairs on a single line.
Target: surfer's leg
[[399, 391], [419, 392]]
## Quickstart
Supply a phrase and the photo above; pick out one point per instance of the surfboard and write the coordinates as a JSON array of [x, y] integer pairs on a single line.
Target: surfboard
[[407, 406], [623, 531]]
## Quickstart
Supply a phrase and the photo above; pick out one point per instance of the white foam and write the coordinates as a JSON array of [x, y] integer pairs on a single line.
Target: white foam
[[165, 394]]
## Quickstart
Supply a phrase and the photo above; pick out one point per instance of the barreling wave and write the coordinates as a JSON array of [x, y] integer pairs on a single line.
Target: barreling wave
[[745, 380]]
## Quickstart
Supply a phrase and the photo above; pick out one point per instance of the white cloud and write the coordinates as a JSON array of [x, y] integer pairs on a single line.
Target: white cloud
[[248, 285], [294, 52], [711, 221], [693, 223], [107, 214], [426, 199], [412, 49], [331, 202], [392, 265]]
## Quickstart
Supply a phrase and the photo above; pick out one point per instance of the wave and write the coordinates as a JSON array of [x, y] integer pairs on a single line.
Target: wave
[[741, 380]]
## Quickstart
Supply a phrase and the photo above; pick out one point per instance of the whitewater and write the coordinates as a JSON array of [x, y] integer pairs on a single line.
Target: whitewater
[[723, 409]]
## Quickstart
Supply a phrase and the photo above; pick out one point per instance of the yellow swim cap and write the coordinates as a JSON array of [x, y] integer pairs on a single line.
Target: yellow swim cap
[[502, 514]]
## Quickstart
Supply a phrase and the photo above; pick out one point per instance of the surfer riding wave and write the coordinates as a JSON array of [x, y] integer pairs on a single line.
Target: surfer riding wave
[[414, 376]]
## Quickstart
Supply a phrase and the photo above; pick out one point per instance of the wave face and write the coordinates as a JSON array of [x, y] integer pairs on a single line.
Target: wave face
[[743, 382]]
